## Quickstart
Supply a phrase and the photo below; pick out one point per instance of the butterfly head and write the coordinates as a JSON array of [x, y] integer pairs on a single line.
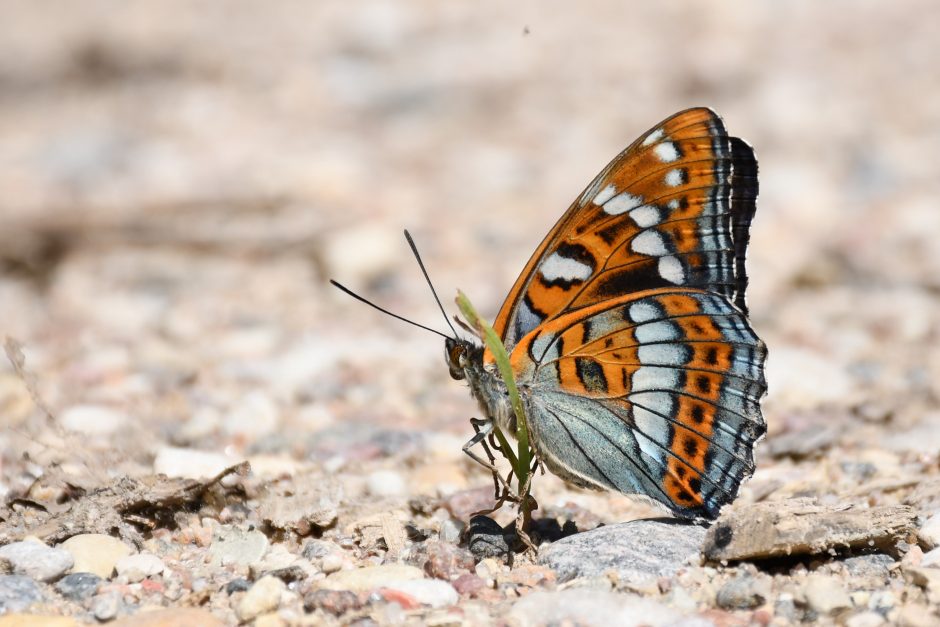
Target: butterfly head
[[457, 352]]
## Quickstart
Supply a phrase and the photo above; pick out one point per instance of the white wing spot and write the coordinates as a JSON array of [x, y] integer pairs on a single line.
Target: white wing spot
[[645, 216], [558, 267], [649, 243], [673, 204], [656, 402], [653, 435], [654, 378], [662, 331], [661, 354], [666, 152], [671, 269], [641, 312], [604, 195], [653, 137], [622, 203], [674, 178]]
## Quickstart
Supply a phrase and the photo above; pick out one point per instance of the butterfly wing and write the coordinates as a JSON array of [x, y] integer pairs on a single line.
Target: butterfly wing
[[673, 209], [655, 393]]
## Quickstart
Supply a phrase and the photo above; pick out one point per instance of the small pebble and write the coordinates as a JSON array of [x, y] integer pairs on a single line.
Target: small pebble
[[486, 538], [370, 577], [451, 530], [78, 586], [592, 607], [170, 617], [865, 619], [469, 584], [36, 560], [930, 531], [447, 561], [882, 601], [917, 615], [487, 569], [825, 594], [875, 565], [233, 546], [432, 592], [190, 463], [92, 419], [95, 553], [743, 592], [264, 596], [252, 417], [335, 602], [386, 483], [331, 563], [17, 593], [318, 549], [106, 606], [931, 559], [464, 503], [138, 567], [237, 585]]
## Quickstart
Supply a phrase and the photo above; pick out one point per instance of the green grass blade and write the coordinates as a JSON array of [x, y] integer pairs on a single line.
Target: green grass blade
[[491, 339]]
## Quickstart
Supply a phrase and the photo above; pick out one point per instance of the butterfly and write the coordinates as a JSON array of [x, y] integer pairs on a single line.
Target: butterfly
[[627, 330]]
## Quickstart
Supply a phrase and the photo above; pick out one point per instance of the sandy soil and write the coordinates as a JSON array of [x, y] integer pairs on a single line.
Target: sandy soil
[[180, 180]]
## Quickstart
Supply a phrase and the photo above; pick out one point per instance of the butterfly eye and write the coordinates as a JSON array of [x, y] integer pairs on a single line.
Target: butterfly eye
[[456, 359]]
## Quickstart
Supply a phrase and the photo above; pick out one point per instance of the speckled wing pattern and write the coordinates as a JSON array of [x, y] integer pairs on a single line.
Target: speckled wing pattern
[[628, 325]]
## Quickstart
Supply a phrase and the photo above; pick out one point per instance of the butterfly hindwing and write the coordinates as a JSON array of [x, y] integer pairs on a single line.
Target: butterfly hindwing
[[673, 209], [653, 393]]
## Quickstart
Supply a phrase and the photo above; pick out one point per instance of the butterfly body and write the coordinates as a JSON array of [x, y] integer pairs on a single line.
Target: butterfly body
[[628, 331]]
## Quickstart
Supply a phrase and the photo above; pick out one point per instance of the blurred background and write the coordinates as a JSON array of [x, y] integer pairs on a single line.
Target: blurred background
[[180, 179]]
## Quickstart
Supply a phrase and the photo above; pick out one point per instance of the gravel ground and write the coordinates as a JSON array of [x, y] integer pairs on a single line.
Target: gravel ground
[[180, 180]]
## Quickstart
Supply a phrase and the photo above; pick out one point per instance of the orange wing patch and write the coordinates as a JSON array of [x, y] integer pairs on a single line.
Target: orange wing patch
[[659, 215]]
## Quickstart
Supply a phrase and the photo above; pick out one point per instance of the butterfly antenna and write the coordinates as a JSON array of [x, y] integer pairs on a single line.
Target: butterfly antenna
[[385, 311], [427, 278]]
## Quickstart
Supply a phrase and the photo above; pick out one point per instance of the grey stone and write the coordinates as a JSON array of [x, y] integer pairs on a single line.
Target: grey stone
[[875, 565], [17, 593], [486, 538], [451, 530], [231, 545], [106, 606], [318, 549], [36, 560], [239, 584], [637, 551], [78, 586], [743, 592]]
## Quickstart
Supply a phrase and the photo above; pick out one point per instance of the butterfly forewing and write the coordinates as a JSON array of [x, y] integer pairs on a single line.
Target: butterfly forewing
[[653, 393], [673, 209]]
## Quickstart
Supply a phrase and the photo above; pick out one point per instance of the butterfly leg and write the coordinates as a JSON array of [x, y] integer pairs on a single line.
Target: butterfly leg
[[482, 429]]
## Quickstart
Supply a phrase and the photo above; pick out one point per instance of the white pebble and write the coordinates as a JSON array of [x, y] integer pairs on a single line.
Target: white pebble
[[386, 483], [433, 592], [138, 567], [92, 419]]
